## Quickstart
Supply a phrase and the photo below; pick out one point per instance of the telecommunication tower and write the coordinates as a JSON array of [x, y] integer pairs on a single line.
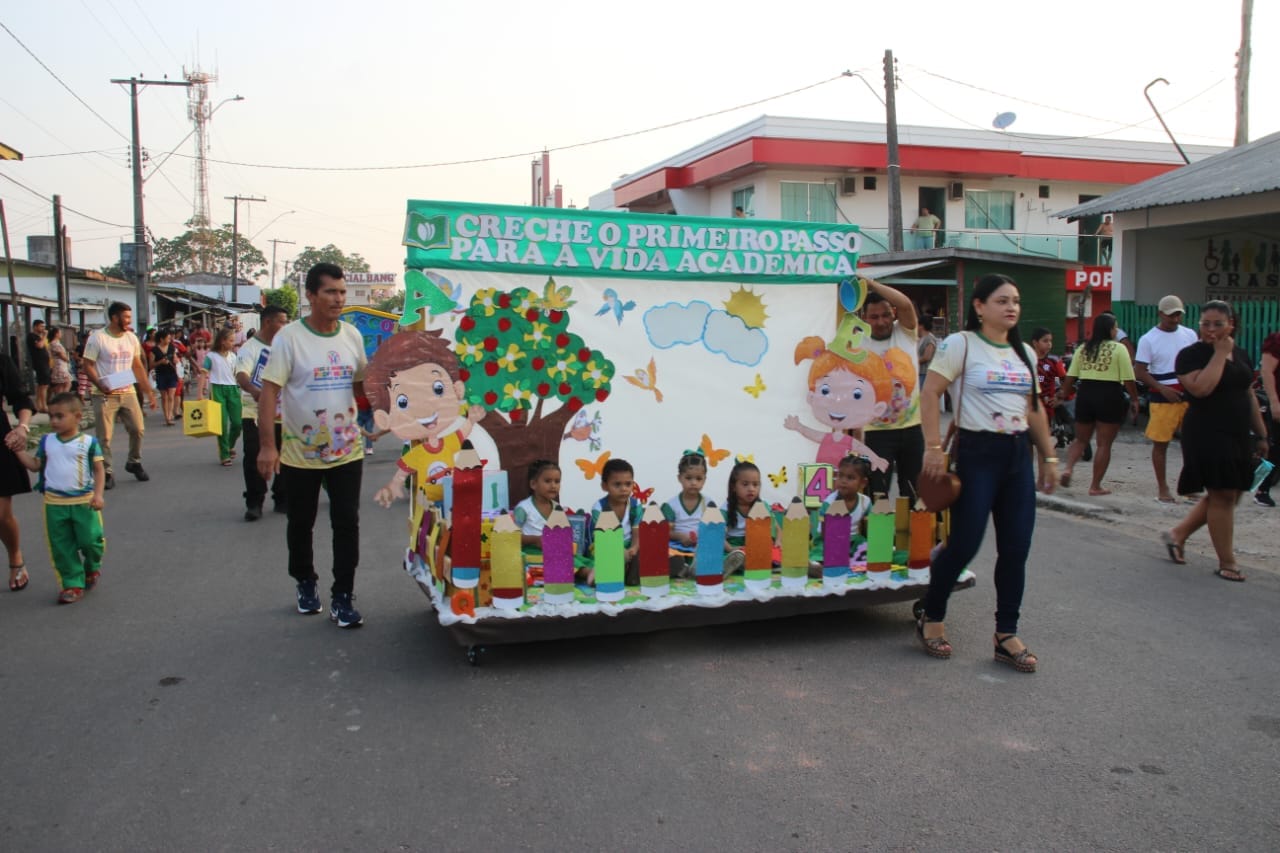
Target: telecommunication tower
[[199, 112]]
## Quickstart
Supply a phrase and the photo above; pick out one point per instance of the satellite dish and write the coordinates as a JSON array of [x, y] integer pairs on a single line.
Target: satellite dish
[[1003, 120]]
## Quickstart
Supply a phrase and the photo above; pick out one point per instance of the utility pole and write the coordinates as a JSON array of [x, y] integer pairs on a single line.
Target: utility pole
[[142, 250], [18, 357], [274, 244], [235, 241], [891, 136], [1242, 74], [60, 261]]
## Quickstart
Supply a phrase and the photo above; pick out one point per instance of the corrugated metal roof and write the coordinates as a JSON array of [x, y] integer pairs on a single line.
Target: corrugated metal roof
[[1247, 170]]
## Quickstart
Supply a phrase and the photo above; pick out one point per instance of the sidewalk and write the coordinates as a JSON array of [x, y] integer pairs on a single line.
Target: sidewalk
[[1133, 503]]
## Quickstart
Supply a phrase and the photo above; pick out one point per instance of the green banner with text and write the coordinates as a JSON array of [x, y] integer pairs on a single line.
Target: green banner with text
[[542, 240]]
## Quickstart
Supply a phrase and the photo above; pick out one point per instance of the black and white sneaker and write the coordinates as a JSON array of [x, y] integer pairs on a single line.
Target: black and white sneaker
[[308, 601], [1264, 499], [343, 612]]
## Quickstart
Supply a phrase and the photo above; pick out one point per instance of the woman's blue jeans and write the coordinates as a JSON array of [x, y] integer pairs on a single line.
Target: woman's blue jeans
[[997, 473]]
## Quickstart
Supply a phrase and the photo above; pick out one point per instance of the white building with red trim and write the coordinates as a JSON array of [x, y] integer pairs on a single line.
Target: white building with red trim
[[993, 191]]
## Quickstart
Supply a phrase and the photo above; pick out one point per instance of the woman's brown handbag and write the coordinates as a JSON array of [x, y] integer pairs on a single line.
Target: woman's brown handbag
[[940, 492]]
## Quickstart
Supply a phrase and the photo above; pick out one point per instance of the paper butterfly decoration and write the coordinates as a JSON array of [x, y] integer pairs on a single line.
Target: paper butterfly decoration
[[755, 388], [780, 478], [714, 457], [591, 470], [640, 494], [556, 298]]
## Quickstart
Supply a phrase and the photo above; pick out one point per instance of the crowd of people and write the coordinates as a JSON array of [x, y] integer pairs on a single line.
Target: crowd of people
[[1005, 395]]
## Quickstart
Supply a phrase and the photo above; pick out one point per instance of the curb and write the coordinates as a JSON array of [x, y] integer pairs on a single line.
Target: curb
[[1074, 507]]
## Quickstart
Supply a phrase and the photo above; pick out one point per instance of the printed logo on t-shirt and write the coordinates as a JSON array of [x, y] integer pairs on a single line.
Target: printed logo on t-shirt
[[1010, 377], [332, 373]]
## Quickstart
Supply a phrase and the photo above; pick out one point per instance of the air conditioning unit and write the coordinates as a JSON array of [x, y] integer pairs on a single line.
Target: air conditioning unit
[[955, 191], [849, 186], [1078, 305]]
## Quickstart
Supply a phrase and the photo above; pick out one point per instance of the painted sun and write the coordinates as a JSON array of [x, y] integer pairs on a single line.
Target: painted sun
[[748, 306]]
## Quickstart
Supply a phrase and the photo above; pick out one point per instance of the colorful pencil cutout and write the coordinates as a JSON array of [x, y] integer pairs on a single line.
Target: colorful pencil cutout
[[795, 546], [468, 481], [708, 557], [757, 570], [837, 528], [924, 526], [557, 559], [655, 567], [506, 564], [880, 534], [901, 523], [609, 554]]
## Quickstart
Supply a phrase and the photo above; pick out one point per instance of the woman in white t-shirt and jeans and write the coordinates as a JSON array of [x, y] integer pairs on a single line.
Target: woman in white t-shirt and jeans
[[1000, 419]]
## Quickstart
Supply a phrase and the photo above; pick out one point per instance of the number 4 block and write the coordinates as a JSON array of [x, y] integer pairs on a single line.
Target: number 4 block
[[817, 482]]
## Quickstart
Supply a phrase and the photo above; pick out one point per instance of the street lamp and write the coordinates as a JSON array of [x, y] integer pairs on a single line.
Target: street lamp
[[269, 224]]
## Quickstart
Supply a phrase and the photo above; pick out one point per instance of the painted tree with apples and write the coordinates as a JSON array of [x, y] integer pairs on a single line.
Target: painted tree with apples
[[530, 373]]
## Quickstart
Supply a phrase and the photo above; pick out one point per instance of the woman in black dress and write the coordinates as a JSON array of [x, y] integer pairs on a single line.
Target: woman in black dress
[[1218, 452], [13, 476]]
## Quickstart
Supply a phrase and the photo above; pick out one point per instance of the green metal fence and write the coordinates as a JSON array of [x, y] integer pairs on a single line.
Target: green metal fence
[[1254, 321]]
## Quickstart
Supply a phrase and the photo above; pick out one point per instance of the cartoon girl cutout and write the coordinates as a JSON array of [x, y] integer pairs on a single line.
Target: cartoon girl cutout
[[845, 393]]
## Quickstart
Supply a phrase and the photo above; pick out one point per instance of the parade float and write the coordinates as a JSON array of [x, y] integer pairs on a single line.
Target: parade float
[[580, 336]]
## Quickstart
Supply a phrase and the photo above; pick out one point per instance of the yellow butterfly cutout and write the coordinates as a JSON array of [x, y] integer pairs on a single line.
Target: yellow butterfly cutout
[[556, 298], [780, 478], [755, 388], [714, 457], [591, 470], [745, 457]]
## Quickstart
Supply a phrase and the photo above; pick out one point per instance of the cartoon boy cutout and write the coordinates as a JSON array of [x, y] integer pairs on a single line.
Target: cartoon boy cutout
[[417, 394], [845, 393]]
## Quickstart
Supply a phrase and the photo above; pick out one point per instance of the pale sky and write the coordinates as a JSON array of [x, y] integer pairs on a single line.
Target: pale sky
[[387, 83]]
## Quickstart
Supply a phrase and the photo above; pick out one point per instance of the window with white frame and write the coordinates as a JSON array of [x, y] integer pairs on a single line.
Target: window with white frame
[[808, 202], [988, 209], [745, 199]]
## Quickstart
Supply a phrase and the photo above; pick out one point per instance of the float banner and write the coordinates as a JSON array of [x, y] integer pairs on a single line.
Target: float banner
[[585, 243]]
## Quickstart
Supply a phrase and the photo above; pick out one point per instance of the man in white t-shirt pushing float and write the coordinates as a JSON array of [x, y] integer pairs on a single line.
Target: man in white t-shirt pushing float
[[313, 375], [113, 363], [1154, 367]]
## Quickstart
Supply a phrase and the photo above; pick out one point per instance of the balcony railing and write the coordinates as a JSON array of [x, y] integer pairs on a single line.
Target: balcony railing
[[1085, 249]]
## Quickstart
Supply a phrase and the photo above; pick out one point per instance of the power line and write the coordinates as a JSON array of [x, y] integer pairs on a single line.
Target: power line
[[41, 195], [1121, 125], [147, 18], [60, 82], [495, 158], [110, 152]]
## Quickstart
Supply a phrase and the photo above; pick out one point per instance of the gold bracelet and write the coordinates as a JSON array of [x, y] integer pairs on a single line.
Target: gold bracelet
[[934, 447], [1052, 459]]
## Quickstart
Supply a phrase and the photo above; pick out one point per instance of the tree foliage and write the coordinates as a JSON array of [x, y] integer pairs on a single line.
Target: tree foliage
[[330, 254], [393, 304], [206, 250], [286, 298], [522, 364]]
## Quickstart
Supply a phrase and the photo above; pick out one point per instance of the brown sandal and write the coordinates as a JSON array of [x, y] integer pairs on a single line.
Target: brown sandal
[[933, 636], [1229, 573], [1020, 659]]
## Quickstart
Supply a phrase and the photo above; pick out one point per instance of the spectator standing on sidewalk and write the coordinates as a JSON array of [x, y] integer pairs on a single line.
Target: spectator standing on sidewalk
[[896, 435], [38, 351], [110, 355], [1154, 367], [250, 362], [1270, 375], [1100, 374], [317, 367]]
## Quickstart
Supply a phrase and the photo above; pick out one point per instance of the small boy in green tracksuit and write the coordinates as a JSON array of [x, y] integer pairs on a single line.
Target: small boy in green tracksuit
[[72, 476]]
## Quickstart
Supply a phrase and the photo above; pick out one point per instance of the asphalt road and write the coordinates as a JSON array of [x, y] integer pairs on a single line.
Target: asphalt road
[[185, 705]]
